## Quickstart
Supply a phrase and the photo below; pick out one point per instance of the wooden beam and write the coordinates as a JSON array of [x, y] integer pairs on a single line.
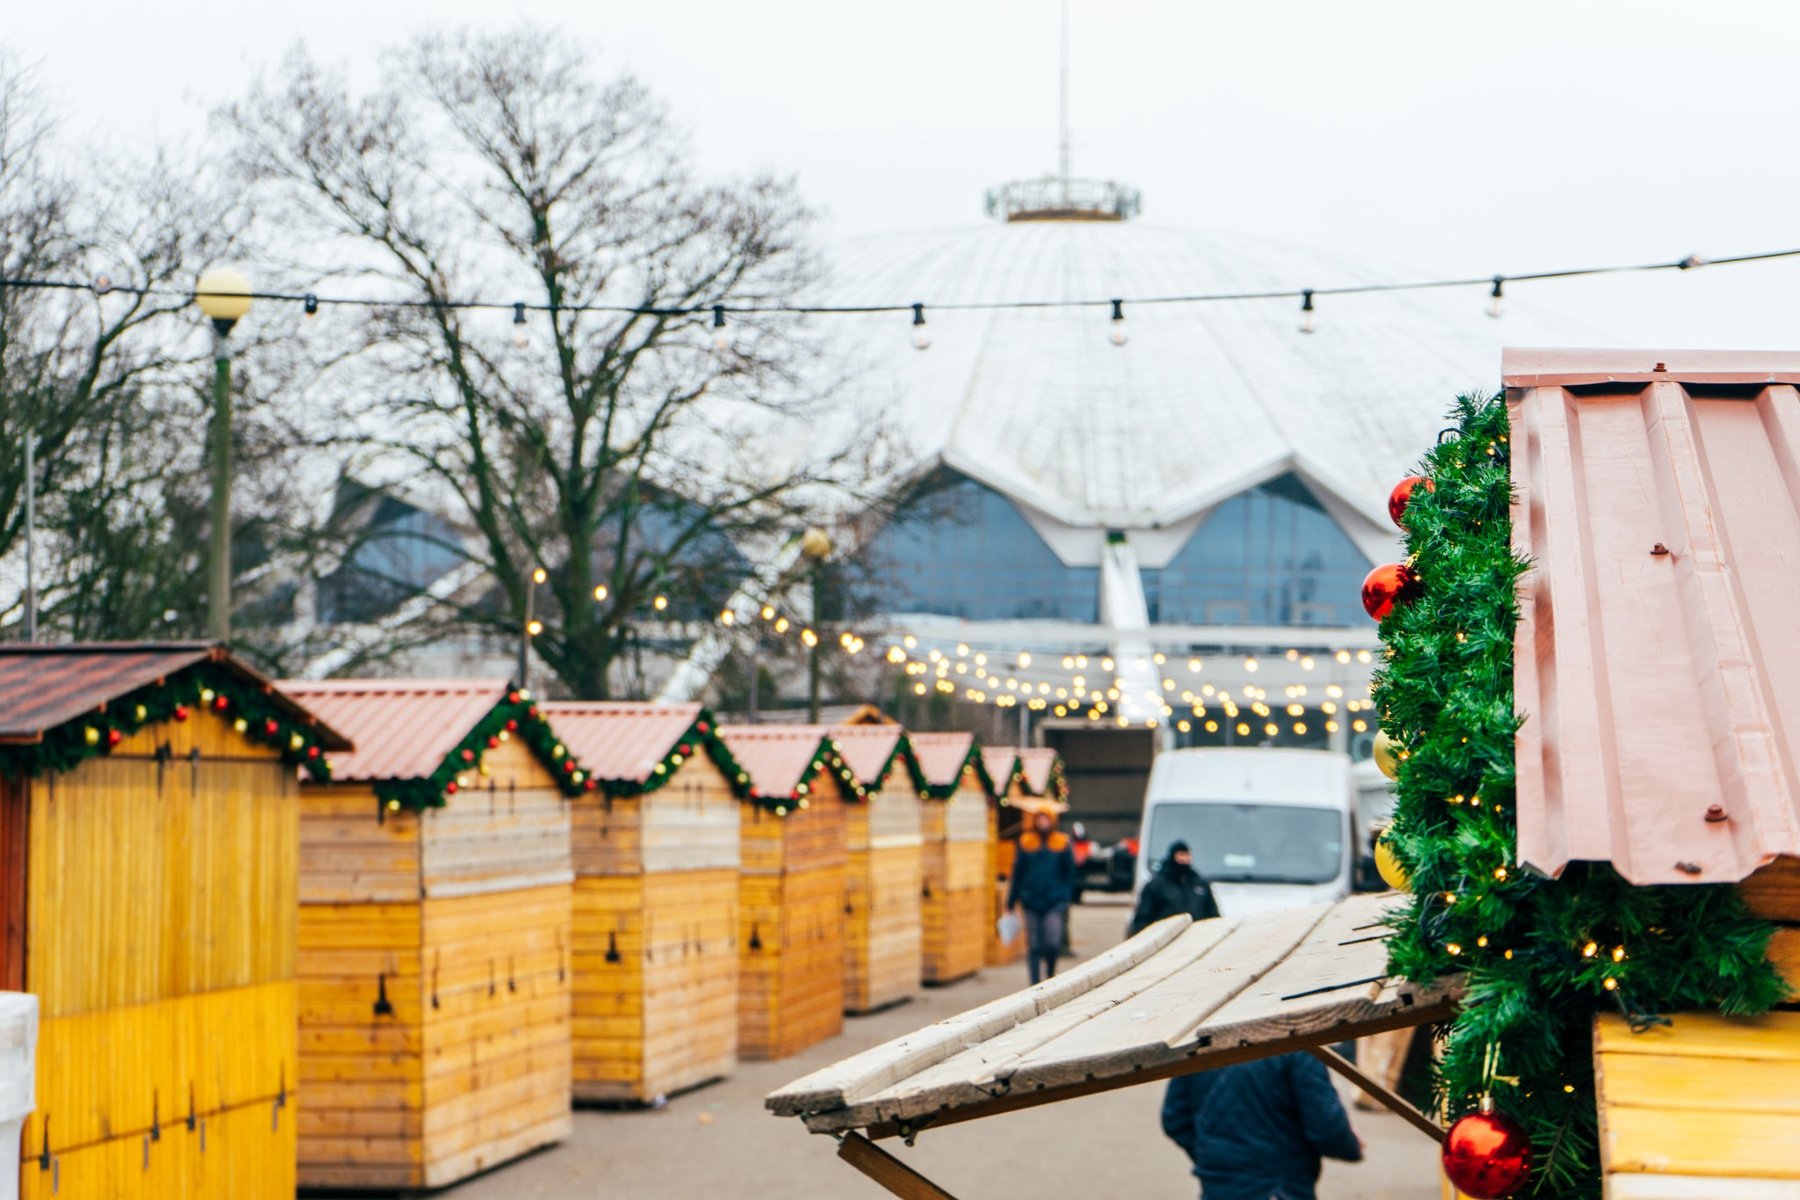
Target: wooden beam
[[1392, 1100], [1440, 1010], [887, 1170]]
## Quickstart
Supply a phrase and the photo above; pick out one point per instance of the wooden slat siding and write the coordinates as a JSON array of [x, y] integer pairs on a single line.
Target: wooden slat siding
[[161, 944], [1002, 848], [354, 851], [1774, 891], [791, 925], [1702, 1097], [956, 899], [860, 1076], [506, 831], [882, 915]]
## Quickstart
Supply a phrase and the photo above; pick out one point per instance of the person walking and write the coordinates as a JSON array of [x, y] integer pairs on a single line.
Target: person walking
[[1043, 885], [1259, 1130], [1175, 888]]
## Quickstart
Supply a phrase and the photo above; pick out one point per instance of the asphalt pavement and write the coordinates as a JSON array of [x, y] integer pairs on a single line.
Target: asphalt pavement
[[719, 1141]]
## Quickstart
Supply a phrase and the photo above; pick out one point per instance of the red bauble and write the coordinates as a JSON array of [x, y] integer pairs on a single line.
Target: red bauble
[[1386, 586], [512, 726], [493, 742], [590, 784], [114, 737], [1487, 1156], [271, 728], [450, 788], [181, 712], [468, 755], [220, 703], [1401, 496]]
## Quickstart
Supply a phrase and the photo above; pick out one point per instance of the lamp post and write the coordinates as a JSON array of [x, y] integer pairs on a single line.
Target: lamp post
[[223, 295], [815, 544]]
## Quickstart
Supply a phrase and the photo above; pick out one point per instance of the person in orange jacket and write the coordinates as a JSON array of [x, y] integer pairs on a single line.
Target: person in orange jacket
[[1043, 885]]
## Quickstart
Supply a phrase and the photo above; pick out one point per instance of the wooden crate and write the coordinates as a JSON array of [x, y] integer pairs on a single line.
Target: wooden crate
[[158, 888], [434, 964], [791, 925], [883, 920]]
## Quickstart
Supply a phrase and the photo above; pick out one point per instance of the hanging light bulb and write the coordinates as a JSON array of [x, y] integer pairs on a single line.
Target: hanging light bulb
[[520, 338], [1495, 296], [721, 339], [1118, 323], [921, 335], [1306, 311]]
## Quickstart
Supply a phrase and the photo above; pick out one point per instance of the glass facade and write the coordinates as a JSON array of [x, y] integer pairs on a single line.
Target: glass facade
[[959, 549], [403, 550], [1268, 556]]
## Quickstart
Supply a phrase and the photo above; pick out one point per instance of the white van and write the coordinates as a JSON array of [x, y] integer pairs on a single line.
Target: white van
[[1269, 829]]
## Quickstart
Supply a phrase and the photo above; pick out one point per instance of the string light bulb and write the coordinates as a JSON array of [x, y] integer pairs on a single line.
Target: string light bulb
[[921, 335], [310, 303], [1119, 336], [721, 337], [600, 591], [1497, 295], [1306, 310], [521, 338]]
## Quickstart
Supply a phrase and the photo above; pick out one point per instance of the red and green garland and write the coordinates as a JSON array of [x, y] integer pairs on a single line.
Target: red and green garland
[[701, 738], [1540, 957], [515, 716], [206, 687]]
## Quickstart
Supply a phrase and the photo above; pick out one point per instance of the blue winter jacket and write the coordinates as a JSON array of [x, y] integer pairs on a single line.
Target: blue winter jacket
[[1257, 1130], [1043, 875]]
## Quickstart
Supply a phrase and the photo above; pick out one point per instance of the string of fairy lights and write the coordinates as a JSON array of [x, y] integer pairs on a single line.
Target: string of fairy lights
[[1090, 686], [720, 312]]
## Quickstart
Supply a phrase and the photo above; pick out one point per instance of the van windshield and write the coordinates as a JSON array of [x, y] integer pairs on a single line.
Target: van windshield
[[1252, 843]]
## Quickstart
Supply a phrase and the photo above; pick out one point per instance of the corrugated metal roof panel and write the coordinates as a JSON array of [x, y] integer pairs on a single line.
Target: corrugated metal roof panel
[[1655, 656], [941, 756], [1037, 764], [620, 742], [866, 749], [403, 728], [44, 686], [776, 757], [1001, 762]]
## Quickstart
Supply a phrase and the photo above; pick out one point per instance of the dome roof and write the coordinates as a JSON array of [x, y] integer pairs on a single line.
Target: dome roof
[[1204, 401]]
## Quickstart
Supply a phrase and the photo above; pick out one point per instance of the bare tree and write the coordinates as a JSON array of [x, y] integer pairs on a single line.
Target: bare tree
[[617, 447]]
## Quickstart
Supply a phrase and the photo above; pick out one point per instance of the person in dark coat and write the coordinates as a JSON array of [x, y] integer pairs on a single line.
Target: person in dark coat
[[1043, 885], [1258, 1130], [1175, 888]]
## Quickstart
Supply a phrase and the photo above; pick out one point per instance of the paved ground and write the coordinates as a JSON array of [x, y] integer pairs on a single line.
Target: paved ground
[[719, 1142]]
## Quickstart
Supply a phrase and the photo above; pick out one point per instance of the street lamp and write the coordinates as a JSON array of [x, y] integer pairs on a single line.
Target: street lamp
[[223, 295], [815, 544]]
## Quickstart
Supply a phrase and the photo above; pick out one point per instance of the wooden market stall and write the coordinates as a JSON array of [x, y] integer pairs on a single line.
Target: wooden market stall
[[884, 834], [956, 896], [1013, 800], [656, 855], [1179, 997], [791, 895], [149, 826], [434, 934], [1657, 497]]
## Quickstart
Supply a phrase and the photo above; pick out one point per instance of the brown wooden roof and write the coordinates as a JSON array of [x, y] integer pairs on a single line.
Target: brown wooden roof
[[44, 686], [1181, 996]]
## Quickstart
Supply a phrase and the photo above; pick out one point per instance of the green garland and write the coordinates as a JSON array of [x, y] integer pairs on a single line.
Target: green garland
[[205, 686], [515, 716], [1541, 957]]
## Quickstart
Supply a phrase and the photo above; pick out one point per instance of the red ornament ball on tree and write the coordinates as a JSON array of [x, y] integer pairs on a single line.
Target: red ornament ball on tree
[[450, 788], [1386, 586], [512, 726], [114, 737], [493, 742], [1402, 494], [181, 712], [220, 703], [468, 755], [271, 728], [1487, 1156]]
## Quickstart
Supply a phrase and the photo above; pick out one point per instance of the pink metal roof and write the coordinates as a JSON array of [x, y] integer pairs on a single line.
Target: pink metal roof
[[403, 728], [776, 757], [1657, 494], [1000, 762], [1037, 762], [866, 749], [942, 755], [44, 686], [620, 741]]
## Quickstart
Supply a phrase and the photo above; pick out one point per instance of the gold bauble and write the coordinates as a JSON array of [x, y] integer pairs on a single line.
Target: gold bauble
[[1385, 759], [1392, 873]]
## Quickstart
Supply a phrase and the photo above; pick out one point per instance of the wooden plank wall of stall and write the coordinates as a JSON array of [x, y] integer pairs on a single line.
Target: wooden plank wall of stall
[[1004, 825], [791, 925], [656, 948], [434, 975], [160, 889], [957, 897], [882, 879]]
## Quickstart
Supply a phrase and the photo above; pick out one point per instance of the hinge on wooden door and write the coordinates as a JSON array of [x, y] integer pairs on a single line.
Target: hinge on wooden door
[[155, 1115], [612, 947], [493, 979], [192, 1117], [280, 1101], [512, 984], [383, 1006], [437, 960], [755, 936]]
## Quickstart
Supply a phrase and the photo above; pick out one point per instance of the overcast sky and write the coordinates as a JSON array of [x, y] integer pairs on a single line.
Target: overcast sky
[[1448, 138]]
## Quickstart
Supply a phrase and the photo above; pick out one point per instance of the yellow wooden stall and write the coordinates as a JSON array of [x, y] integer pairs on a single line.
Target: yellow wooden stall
[[791, 896], [1005, 788], [956, 898], [883, 875], [149, 826], [434, 935], [656, 853]]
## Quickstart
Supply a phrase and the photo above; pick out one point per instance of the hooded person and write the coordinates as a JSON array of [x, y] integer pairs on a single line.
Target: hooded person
[[1175, 888], [1043, 885]]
